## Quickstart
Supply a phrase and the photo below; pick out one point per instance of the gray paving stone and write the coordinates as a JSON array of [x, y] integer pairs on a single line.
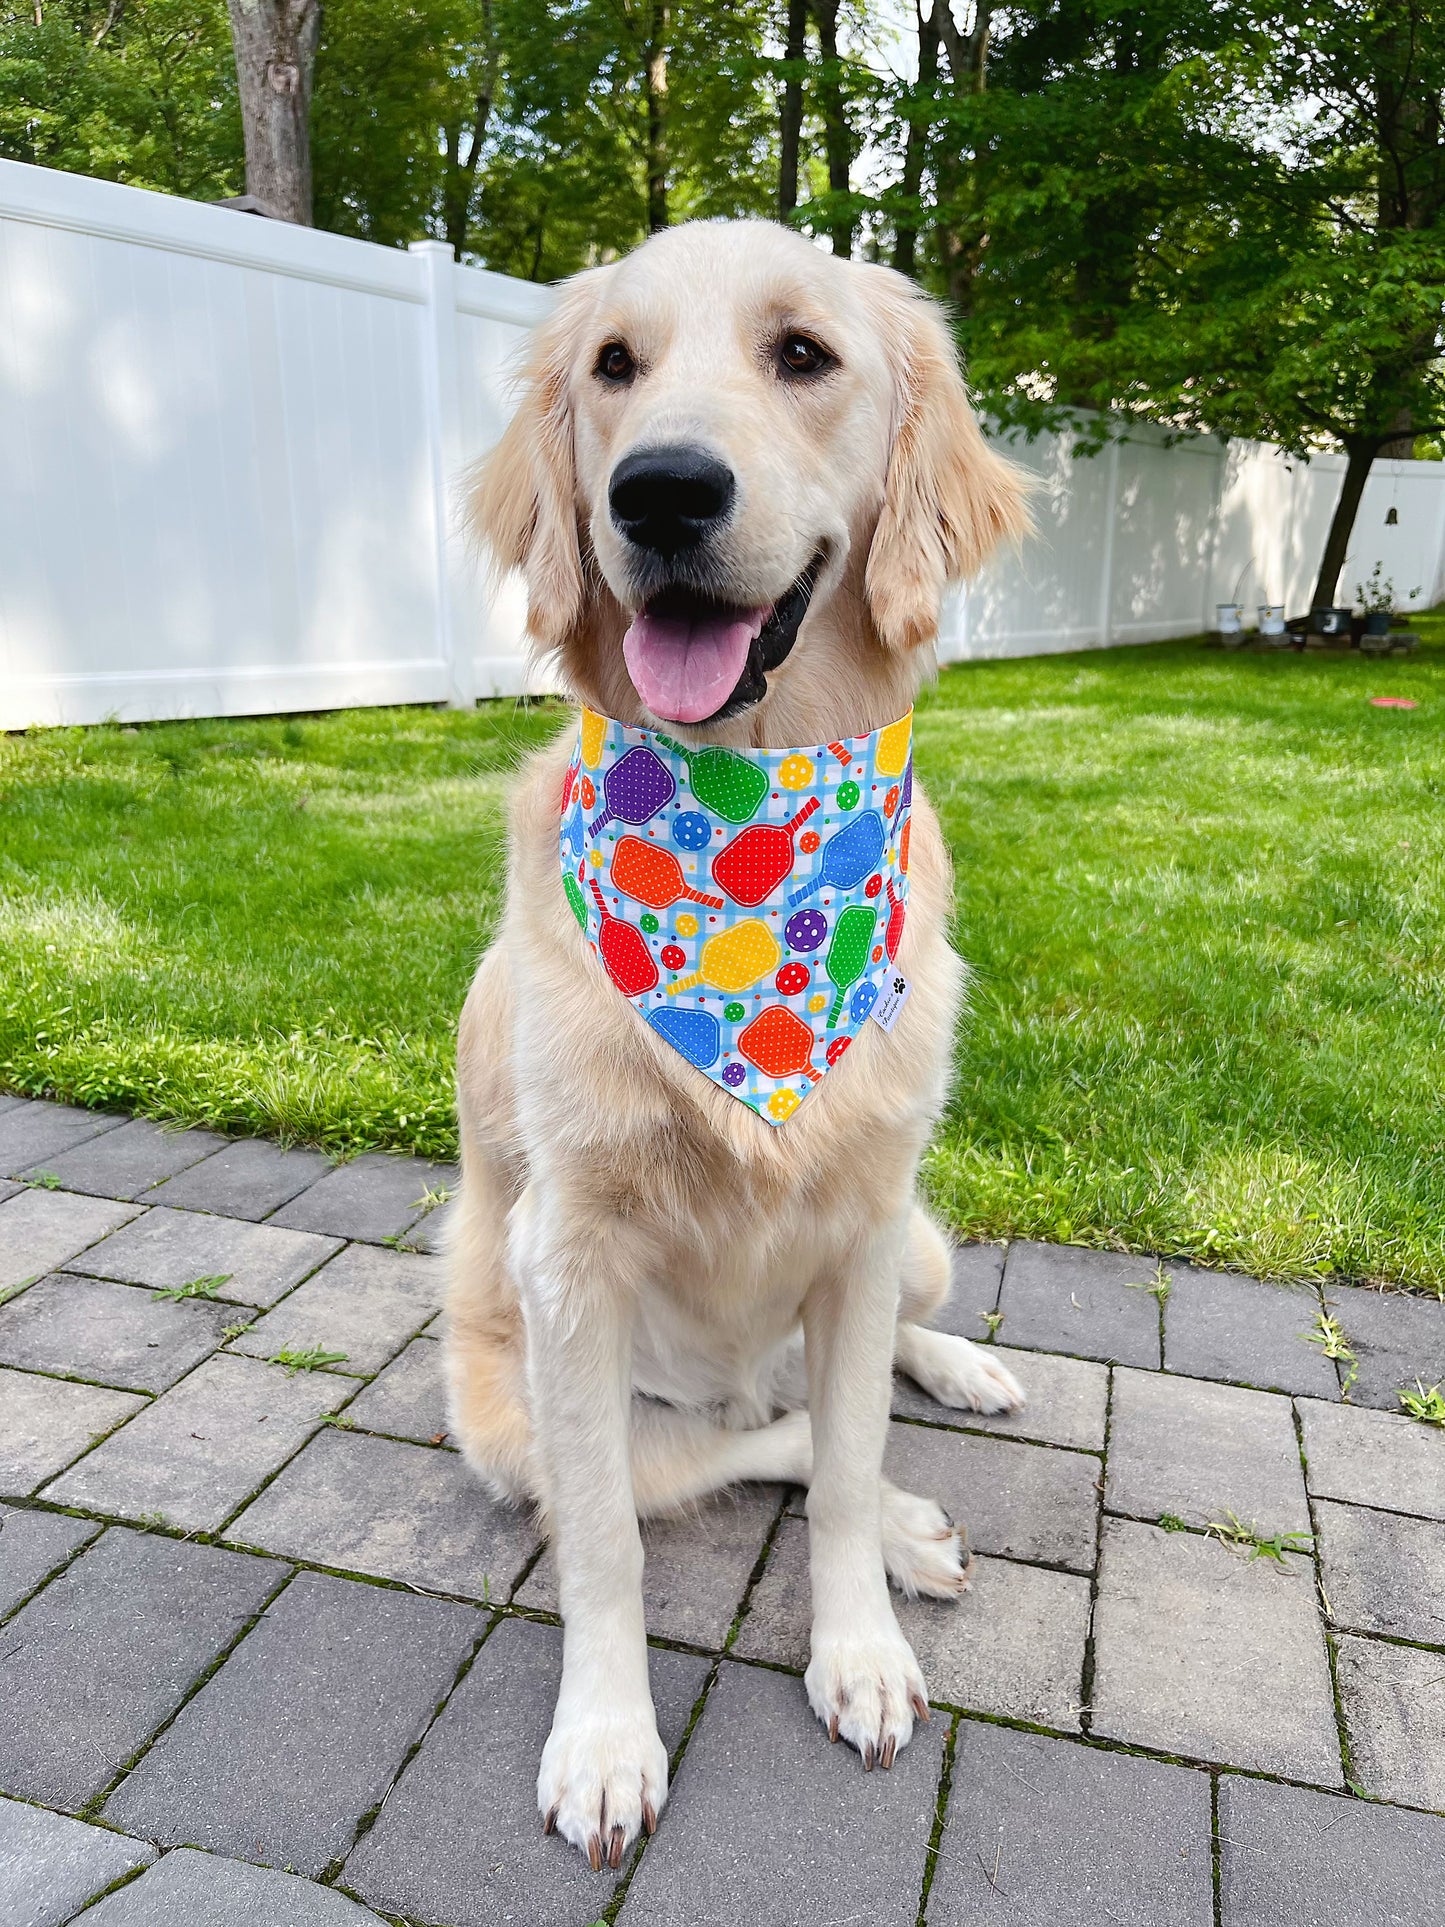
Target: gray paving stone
[[430, 1233], [408, 1399], [1382, 1573], [396, 1510], [1292, 1858], [1059, 1298], [1024, 1501], [8, 1188], [375, 1196], [124, 1162], [1067, 1401], [1201, 1451], [460, 1839], [32, 1546], [9, 1100], [189, 1889], [768, 1823], [366, 1303], [1013, 1645], [117, 1333], [695, 1571], [1374, 1459], [1202, 1650], [197, 1452], [47, 1422], [1041, 1830], [1394, 1703], [250, 1178], [1397, 1337], [1218, 1324], [111, 1648], [36, 1129], [50, 1866], [40, 1230], [302, 1730], [976, 1274], [170, 1248]]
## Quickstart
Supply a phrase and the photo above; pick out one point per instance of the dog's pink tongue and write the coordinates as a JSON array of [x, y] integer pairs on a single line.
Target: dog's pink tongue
[[685, 669]]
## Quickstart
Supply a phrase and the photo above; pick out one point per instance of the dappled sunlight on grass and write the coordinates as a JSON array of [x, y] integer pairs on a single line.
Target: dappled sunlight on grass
[[1203, 896]]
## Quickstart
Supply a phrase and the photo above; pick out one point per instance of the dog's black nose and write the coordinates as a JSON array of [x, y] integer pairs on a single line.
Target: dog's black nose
[[668, 499]]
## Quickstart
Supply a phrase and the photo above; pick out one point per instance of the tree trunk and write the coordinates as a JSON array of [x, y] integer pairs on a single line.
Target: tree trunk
[[915, 153], [790, 113], [275, 43], [837, 142], [1361, 451], [968, 65], [460, 181], [656, 82]]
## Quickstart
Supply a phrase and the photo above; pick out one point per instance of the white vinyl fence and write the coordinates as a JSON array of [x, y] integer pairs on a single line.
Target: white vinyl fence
[[230, 453]]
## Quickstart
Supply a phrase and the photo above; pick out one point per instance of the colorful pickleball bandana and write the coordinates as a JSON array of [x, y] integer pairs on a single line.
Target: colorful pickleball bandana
[[746, 903]]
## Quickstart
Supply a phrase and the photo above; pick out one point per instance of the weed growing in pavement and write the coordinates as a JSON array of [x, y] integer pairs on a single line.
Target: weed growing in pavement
[[310, 1359], [1329, 1335], [197, 1288], [1426, 1403], [1233, 1532]]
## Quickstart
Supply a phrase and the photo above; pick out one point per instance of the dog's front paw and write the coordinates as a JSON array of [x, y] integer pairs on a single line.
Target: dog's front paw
[[957, 1373], [603, 1775], [867, 1689], [922, 1548]]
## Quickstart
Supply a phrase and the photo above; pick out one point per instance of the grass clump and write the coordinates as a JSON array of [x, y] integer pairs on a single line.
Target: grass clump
[[1203, 896], [1424, 1402], [1232, 1531], [310, 1358], [197, 1288]]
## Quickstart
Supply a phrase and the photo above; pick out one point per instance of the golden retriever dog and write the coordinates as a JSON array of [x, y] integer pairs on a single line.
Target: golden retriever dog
[[739, 479]]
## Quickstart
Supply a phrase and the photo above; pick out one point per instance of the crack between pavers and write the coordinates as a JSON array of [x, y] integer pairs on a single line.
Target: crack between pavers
[[1322, 1617], [208, 1672], [964, 1430], [331, 1873], [1090, 1660], [934, 1849], [1216, 1878]]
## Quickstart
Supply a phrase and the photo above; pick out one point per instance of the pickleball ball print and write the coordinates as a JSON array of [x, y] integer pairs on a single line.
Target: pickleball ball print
[[864, 998], [691, 830], [792, 978], [674, 956], [734, 1074], [805, 930]]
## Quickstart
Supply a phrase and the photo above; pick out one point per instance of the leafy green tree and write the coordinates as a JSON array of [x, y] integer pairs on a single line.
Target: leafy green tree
[[1212, 215], [142, 92]]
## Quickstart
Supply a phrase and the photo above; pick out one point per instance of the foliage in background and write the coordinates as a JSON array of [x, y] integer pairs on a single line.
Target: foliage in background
[[144, 93], [1203, 896]]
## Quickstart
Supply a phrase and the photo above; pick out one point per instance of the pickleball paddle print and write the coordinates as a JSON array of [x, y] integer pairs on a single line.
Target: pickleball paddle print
[[746, 903]]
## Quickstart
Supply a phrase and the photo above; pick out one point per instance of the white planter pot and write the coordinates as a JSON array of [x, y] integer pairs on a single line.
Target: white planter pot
[[1229, 618], [1271, 619]]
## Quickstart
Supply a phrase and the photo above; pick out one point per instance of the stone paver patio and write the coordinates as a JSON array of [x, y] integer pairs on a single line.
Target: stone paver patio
[[271, 1657]]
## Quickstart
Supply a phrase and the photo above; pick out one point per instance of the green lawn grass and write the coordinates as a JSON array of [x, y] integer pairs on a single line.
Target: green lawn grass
[[1203, 894]]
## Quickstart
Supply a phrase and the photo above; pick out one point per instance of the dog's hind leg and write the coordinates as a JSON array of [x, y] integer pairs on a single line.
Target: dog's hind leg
[[485, 1350], [950, 1369], [679, 1457]]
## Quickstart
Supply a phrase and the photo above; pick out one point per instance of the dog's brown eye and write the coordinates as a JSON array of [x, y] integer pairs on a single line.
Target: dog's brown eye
[[614, 363], [801, 355]]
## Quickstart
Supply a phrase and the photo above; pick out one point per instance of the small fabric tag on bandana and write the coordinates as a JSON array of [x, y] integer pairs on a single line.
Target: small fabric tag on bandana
[[748, 904], [891, 998]]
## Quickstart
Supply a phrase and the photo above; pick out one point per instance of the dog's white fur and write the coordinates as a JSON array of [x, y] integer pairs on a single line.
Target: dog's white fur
[[644, 1274]]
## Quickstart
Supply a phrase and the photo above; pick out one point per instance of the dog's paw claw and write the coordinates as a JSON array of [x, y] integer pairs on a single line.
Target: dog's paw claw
[[603, 1778], [922, 1549], [867, 1691]]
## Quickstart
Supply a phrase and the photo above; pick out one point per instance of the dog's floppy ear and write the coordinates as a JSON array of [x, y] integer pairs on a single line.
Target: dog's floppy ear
[[524, 497], [949, 499]]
